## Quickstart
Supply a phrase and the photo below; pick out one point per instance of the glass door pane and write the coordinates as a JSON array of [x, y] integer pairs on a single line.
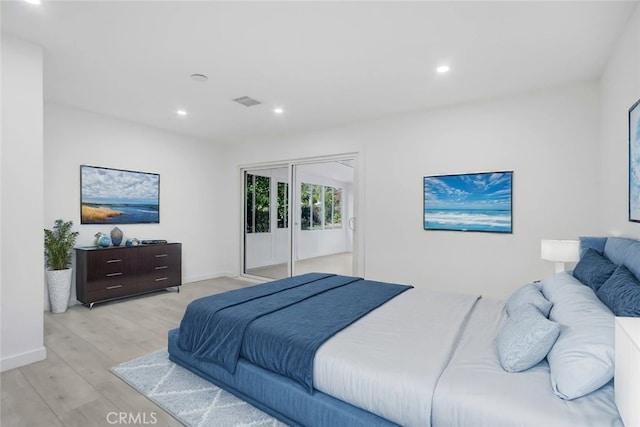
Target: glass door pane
[[323, 194], [266, 222]]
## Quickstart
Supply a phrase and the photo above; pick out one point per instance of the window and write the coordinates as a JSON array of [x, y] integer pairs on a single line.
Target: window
[[320, 207], [283, 204], [332, 207], [257, 203]]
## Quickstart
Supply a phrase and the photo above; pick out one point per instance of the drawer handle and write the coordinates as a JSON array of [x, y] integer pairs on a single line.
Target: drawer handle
[[114, 287], [161, 255], [114, 274], [160, 279], [110, 261], [162, 267]]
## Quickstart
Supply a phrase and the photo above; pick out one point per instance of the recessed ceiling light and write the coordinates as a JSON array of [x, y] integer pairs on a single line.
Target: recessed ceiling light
[[443, 69], [199, 78], [278, 110], [181, 112], [36, 2]]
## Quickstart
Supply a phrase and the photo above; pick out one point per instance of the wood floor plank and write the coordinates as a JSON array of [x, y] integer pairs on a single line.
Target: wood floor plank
[[59, 385], [22, 405]]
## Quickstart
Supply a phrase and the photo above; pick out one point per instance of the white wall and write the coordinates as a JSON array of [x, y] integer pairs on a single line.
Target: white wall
[[189, 180], [548, 138], [620, 89], [21, 183]]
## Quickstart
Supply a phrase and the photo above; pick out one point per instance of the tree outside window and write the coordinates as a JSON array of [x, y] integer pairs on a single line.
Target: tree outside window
[[257, 203]]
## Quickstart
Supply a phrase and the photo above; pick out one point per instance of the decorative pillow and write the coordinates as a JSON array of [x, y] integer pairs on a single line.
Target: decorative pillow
[[582, 359], [621, 293], [632, 259], [596, 243], [593, 269], [616, 249], [525, 338], [528, 294]]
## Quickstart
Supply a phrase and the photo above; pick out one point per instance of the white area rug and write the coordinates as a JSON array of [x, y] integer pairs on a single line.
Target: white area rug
[[192, 400]]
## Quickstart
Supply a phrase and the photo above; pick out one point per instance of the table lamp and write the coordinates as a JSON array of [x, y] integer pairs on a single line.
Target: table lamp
[[560, 251]]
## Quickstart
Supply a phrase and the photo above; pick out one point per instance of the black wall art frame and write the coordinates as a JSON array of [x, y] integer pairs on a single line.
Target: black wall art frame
[[117, 196], [634, 162], [469, 202]]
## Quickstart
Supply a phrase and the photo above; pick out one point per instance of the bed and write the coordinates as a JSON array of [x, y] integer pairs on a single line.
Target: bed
[[414, 357]]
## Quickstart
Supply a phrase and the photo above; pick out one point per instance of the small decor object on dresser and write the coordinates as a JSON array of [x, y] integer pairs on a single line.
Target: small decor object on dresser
[[132, 242], [116, 236], [634, 162], [102, 240]]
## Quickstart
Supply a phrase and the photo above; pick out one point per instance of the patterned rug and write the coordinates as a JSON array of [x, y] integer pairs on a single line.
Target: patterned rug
[[192, 400]]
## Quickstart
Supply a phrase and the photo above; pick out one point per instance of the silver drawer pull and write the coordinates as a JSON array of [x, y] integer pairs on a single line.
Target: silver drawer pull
[[114, 287], [110, 261], [161, 255], [160, 279], [162, 267], [114, 274]]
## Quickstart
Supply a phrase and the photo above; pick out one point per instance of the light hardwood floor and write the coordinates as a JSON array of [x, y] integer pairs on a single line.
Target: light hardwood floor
[[341, 263], [73, 386]]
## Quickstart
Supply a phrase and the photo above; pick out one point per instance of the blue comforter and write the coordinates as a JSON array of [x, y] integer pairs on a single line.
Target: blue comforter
[[279, 325]]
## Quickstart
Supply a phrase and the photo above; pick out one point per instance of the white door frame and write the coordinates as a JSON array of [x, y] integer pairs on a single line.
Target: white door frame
[[358, 190]]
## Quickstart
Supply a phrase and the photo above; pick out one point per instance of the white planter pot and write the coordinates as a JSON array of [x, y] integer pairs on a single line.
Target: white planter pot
[[59, 283]]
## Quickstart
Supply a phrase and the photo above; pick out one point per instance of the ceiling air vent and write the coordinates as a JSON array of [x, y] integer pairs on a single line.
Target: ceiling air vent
[[247, 101]]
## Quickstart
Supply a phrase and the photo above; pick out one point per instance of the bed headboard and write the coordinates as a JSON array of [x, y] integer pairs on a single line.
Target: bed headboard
[[619, 250]]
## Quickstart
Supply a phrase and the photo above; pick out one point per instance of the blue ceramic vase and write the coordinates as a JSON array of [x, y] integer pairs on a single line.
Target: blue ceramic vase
[[116, 236]]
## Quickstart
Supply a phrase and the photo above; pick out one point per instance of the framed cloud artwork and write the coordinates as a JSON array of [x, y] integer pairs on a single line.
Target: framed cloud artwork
[[116, 196], [469, 202]]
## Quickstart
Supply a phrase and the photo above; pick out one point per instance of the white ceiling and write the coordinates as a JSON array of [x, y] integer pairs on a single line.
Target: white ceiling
[[325, 63]]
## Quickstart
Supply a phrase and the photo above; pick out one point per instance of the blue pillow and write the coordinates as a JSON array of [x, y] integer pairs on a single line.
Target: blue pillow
[[593, 269], [525, 338], [616, 249], [582, 359], [621, 293], [528, 294], [596, 243]]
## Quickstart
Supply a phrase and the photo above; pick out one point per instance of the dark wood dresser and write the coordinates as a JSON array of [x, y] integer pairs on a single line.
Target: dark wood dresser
[[115, 272]]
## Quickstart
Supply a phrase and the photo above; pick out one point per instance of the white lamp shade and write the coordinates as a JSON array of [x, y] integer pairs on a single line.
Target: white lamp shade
[[560, 250]]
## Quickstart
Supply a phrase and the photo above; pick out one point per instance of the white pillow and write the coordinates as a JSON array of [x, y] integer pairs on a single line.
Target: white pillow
[[582, 359]]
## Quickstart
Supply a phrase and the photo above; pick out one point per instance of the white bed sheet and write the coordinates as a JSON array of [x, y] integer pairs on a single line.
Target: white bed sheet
[[474, 390], [389, 361]]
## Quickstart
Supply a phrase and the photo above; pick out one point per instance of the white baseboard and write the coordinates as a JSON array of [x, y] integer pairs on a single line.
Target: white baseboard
[[23, 359]]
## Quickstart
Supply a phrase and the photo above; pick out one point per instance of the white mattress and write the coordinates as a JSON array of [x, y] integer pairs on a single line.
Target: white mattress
[[389, 361], [474, 390]]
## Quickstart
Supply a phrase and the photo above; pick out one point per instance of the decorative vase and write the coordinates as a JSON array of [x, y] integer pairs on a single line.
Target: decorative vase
[[132, 242], [59, 285], [116, 236], [103, 240]]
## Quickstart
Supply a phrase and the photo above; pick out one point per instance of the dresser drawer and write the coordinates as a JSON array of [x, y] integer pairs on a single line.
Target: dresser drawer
[[109, 264], [114, 289]]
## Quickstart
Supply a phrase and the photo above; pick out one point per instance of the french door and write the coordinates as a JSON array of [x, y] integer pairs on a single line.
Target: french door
[[299, 217]]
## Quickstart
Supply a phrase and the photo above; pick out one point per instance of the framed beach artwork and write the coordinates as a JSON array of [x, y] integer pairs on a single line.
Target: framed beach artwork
[[634, 162], [469, 202], [115, 196]]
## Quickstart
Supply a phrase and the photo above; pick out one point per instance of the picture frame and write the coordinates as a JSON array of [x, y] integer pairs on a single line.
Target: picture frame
[[118, 196], [634, 162], [480, 202]]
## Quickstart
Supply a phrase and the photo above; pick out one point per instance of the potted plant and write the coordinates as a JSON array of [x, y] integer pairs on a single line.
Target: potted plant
[[58, 244]]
